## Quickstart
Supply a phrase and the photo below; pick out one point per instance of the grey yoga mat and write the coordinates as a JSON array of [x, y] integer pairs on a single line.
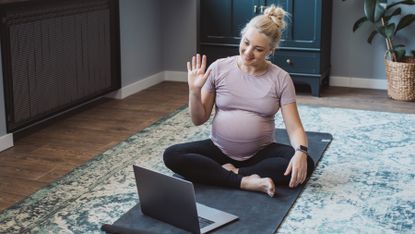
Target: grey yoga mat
[[257, 212]]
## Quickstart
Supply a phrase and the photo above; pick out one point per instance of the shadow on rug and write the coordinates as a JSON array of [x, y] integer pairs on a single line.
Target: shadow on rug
[[364, 183]]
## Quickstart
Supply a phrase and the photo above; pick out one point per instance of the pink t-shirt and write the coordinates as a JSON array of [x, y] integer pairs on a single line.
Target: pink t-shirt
[[246, 106]]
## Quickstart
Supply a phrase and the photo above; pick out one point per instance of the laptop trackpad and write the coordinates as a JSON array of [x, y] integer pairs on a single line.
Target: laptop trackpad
[[212, 218]]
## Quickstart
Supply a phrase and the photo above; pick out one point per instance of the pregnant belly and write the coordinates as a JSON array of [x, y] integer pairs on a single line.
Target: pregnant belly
[[242, 126], [240, 134]]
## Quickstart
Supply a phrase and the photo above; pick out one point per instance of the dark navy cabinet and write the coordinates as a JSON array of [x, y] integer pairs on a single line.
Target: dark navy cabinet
[[304, 50], [221, 21]]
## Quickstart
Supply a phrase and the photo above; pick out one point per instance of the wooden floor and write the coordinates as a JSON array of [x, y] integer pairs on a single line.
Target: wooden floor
[[47, 152]]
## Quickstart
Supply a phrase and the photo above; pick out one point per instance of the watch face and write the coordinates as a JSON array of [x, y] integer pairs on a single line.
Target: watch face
[[302, 147]]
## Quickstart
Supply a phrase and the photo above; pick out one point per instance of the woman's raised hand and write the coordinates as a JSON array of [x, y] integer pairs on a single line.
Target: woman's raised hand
[[196, 76]]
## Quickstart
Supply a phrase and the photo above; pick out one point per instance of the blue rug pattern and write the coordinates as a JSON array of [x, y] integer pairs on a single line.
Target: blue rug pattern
[[365, 182]]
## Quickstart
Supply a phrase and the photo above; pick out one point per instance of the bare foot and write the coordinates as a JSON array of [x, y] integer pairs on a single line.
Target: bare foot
[[231, 167], [256, 183]]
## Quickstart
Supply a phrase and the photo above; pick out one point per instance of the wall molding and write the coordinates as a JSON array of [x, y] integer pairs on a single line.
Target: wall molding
[[147, 82], [180, 76], [137, 86], [6, 141], [358, 82]]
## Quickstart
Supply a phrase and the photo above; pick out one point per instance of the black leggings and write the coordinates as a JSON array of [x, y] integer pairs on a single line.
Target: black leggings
[[201, 162]]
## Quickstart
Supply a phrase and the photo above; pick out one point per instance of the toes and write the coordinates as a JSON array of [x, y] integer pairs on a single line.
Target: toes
[[271, 192], [256, 183], [228, 166], [271, 188], [255, 176]]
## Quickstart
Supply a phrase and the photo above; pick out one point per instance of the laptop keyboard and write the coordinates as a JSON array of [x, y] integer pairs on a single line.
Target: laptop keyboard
[[204, 222]]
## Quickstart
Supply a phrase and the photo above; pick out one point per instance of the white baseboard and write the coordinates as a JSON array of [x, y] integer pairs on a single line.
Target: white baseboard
[[354, 82], [6, 141], [137, 86], [179, 76], [147, 83], [343, 81]]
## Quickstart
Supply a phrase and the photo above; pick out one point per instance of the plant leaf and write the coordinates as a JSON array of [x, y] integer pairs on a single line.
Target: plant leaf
[[400, 54], [386, 31], [407, 2], [359, 22], [397, 11], [398, 46], [405, 21], [374, 9], [389, 30], [389, 54], [371, 36], [381, 30]]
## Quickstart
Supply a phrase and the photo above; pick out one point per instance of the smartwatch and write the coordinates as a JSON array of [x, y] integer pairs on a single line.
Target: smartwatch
[[303, 149]]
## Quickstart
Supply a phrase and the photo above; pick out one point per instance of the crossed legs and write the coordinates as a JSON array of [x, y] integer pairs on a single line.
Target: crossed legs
[[203, 162]]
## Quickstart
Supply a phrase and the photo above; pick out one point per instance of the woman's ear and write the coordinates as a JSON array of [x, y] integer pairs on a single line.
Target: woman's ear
[[271, 52]]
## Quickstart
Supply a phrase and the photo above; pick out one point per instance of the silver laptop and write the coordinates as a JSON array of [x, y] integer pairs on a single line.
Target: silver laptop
[[172, 200]]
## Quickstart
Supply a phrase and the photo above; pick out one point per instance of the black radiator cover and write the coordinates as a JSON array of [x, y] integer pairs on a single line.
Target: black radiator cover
[[57, 55]]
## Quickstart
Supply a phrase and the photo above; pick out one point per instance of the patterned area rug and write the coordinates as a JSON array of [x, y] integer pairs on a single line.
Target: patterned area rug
[[363, 184]]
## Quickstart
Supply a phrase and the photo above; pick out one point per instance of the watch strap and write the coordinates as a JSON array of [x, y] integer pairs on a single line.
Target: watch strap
[[303, 149]]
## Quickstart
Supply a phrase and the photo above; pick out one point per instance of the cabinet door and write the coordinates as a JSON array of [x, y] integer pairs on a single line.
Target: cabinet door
[[304, 23], [221, 21]]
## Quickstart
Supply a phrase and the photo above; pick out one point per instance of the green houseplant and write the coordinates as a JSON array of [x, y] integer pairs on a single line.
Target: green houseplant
[[386, 19]]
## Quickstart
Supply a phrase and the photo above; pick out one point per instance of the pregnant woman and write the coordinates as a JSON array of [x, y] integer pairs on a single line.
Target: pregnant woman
[[247, 91]]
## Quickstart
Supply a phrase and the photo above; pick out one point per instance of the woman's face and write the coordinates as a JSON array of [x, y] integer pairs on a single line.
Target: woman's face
[[254, 47]]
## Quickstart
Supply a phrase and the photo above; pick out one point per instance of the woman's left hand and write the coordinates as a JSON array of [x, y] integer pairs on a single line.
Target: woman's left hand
[[298, 169]]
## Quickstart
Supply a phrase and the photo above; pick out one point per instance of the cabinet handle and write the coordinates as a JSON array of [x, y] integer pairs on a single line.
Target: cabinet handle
[[289, 62], [255, 9], [261, 9]]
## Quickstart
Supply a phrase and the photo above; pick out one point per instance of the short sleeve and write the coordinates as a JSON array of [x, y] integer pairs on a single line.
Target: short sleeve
[[288, 91], [210, 82]]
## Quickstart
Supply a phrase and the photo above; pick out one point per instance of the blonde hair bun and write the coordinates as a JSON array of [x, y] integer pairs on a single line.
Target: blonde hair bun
[[271, 23], [276, 14]]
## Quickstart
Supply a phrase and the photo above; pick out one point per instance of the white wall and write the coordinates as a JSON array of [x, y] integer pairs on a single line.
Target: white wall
[[141, 39], [179, 33]]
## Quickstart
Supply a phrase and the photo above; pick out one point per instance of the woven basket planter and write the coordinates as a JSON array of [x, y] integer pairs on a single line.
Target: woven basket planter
[[401, 79]]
